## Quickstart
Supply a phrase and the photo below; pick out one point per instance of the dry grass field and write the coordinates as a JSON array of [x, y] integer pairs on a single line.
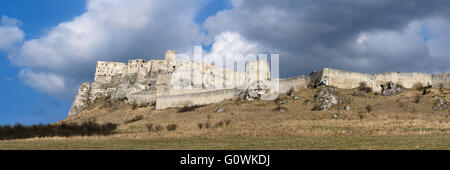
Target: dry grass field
[[234, 143], [405, 121]]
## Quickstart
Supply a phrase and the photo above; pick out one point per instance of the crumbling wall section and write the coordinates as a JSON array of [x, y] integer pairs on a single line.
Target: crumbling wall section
[[108, 69]]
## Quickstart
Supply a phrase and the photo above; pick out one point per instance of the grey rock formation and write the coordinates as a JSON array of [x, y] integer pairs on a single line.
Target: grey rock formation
[[256, 90], [347, 107], [81, 100], [326, 97], [220, 110], [391, 89], [440, 104], [283, 100]]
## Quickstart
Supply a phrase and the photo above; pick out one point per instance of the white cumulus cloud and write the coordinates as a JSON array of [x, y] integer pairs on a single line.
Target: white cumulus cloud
[[10, 34], [45, 82], [111, 30], [366, 36], [232, 46]]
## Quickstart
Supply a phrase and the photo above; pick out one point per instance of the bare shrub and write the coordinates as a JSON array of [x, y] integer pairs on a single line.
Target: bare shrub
[[316, 108], [418, 86], [441, 88], [171, 127], [364, 88], [227, 122], [149, 127], [159, 128], [200, 125], [152, 128], [290, 92], [207, 125], [219, 124], [187, 108], [135, 119], [368, 108], [361, 116], [88, 128], [417, 99], [134, 106]]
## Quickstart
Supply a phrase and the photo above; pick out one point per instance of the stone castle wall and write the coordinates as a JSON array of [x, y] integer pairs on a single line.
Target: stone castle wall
[[196, 99], [296, 83], [350, 80]]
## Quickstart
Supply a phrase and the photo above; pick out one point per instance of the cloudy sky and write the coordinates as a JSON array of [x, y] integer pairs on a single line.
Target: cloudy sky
[[48, 47]]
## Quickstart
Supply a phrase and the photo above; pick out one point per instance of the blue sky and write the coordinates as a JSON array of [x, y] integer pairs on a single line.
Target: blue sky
[[20, 103], [49, 47], [23, 104]]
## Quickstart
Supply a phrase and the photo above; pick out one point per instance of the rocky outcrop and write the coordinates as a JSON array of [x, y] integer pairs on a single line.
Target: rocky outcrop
[[134, 83], [348, 107], [81, 100], [256, 90], [281, 100], [326, 98], [391, 89]]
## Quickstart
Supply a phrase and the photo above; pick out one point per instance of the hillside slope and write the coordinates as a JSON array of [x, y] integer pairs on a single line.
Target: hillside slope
[[409, 113]]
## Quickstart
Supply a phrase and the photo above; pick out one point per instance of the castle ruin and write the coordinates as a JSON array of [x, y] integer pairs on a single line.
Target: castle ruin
[[167, 83], [176, 82]]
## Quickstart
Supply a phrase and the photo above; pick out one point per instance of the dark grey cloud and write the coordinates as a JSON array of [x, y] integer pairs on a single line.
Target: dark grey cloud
[[356, 35], [57, 62], [311, 34]]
